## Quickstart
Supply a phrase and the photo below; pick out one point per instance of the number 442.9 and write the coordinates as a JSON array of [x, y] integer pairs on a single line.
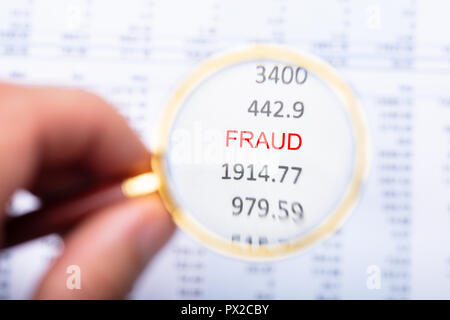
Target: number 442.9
[[276, 109]]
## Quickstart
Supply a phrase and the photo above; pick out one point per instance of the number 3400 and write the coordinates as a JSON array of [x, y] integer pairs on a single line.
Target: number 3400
[[261, 207], [283, 74]]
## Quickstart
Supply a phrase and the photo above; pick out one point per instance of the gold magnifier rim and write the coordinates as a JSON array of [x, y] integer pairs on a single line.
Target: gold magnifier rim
[[332, 223]]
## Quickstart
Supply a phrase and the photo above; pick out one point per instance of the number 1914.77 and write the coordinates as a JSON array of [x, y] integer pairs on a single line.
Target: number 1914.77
[[261, 207], [251, 173]]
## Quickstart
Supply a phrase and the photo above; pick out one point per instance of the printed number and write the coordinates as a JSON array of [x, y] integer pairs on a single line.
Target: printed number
[[285, 211], [261, 74], [286, 76], [239, 171], [297, 109]]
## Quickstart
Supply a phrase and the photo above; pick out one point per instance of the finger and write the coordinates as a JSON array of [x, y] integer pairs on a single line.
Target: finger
[[109, 261], [54, 184], [55, 127]]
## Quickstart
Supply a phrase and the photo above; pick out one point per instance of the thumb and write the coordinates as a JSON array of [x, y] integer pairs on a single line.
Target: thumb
[[109, 250]]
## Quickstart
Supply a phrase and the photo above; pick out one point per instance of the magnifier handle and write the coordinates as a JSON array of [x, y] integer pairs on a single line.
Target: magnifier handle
[[60, 216]]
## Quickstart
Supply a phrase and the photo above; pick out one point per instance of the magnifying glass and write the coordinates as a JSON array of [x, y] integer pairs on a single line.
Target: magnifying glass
[[262, 152]]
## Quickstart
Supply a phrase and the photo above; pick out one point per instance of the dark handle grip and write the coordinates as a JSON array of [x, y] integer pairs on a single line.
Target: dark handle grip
[[59, 217]]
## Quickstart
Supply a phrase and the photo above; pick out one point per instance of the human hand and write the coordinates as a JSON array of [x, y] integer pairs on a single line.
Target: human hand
[[56, 141]]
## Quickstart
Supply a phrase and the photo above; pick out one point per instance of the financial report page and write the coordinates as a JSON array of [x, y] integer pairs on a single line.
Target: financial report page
[[395, 56]]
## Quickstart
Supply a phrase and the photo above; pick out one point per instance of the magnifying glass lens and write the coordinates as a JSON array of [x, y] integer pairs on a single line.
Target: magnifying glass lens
[[260, 153]]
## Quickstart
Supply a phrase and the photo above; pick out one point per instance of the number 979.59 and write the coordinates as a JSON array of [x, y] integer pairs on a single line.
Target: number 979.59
[[282, 75], [250, 206]]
